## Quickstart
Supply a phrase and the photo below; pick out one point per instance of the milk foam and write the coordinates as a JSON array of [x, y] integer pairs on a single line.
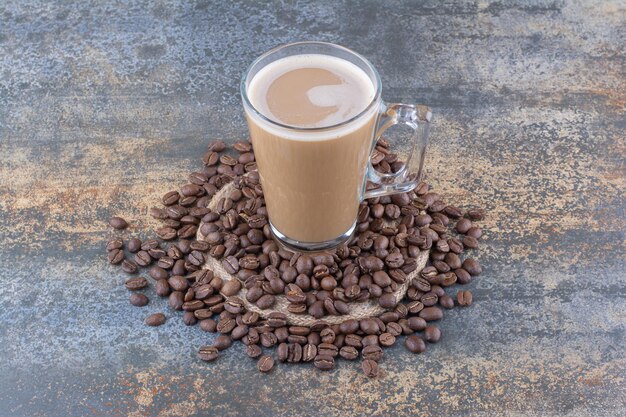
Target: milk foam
[[327, 96]]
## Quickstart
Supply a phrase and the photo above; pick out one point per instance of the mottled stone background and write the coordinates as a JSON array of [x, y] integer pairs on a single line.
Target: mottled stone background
[[106, 105]]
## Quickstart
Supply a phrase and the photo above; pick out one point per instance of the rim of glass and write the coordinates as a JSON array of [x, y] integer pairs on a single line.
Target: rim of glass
[[244, 93]]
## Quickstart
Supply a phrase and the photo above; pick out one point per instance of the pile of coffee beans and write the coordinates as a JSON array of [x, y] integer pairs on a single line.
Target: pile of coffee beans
[[391, 232]]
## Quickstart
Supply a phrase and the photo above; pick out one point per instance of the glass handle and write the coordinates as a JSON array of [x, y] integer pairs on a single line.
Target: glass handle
[[407, 171]]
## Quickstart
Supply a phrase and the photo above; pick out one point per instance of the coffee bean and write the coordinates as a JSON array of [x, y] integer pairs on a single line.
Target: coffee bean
[[176, 300], [373, 352], [453, 260], [475, 232], [276, 319], [349, 353], [464, 298], [208, 353], [470, 242], [162, 288], [386, 339], [265, 363], [446, 301], [463, 225], [231, 264], [136, 283], [138, 300], [166, 233], [231, 288], [155, 319], [324, 362], [115, 256], [416, 323], [472, 266], [143, 258], [115, 243], [415, 344], [415, 307], [223, 341], [431, 314], [432, 334], [463, 277], [118, 223], [158, 213], [253, 351], [130, 267], [370, 368], [387, 300], [369, 326]]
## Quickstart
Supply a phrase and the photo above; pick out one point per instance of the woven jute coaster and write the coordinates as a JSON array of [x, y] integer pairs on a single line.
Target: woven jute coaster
[[357, 310]]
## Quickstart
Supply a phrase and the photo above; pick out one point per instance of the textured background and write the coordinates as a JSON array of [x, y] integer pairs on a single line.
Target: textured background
[[106, 105]]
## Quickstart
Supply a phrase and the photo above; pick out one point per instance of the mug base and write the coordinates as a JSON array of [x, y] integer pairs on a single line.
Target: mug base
[[299, 246]]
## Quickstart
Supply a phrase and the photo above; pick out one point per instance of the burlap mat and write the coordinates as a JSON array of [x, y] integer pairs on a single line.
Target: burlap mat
[[369, 308]]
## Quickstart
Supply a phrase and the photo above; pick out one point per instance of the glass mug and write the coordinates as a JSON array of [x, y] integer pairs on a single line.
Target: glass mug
[[314, 178]]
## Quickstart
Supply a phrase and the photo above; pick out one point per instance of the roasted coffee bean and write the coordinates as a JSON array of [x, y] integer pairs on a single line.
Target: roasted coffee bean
[[432, 334], [178, 283], [265, 363], [143, 258], [155, 319], [231, 288], [415, 344], [431, 314], [208, 353], [349, 353], [266, 301], [130, 267], [309, 352], [115, 243], [394, 329], [475, 232], [138, 300], [276, 319], [464, 298], [369, 326], [471, 266], [415, 307], [470, 242], [166, 233], [208, 325], [136, 283], [386, 339], [463, 225], [176, 300], [370, 368], [349, 326], [446, 301], [373, 352], [463, 277], [324, 362], [115, 256], [449, 278], [166, 262], [254, 351], [453, 211], [189, 318], [282, 352], [225, 325], [231, 264], [387, 300], [416, 323], [170, 198], [327, 349], [453, 260], [223, 341], [429, 299], [294, 353], [217, 145], [455, 245], [118, 223], [162, 288], [268, 339]]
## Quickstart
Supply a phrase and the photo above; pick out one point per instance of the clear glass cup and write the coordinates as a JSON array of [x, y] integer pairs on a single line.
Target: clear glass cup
[[314, 210]]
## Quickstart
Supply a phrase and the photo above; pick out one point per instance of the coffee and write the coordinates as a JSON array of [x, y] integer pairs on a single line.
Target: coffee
[[312, 180]]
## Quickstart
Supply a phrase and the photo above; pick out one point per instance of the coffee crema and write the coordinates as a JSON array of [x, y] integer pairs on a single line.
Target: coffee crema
[[312, 179]]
